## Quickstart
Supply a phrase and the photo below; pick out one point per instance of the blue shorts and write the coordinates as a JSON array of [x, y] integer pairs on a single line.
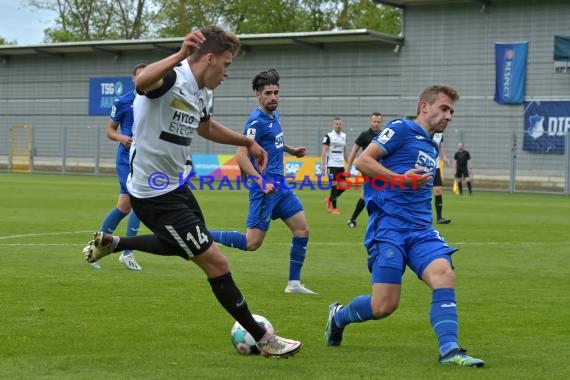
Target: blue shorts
[[282, 204], [398, 247], [122, 173]]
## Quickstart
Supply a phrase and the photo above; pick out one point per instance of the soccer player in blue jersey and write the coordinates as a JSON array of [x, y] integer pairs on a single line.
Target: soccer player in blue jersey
[[122, 116], [271, 198], [400, 232]]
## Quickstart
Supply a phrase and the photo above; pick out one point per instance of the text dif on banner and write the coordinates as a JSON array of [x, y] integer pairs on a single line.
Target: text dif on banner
[[545, 125]]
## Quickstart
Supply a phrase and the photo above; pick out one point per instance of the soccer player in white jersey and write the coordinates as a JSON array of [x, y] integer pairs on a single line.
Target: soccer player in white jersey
[[333, 156], [172, 107]]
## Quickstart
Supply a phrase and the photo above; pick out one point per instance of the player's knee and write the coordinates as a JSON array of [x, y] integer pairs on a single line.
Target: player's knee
[[212, 261], [384, 309], [253, 245], [442, 277], [301, 232], [437, 190]]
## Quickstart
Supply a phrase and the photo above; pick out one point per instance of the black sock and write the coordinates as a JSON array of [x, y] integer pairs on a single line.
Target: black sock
[[333, 196], [339, 192], [469, 187], [438, 205], [358, 209], [230, 297], [149, 244], [460, 187]]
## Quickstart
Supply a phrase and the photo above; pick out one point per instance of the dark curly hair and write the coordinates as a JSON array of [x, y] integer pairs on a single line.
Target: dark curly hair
[[265, 78]]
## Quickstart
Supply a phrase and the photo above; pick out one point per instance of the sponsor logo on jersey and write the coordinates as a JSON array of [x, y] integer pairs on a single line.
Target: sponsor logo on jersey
[[279, 140], [425, 162]]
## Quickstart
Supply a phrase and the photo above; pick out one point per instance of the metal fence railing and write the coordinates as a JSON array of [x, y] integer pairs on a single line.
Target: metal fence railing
[[499, 162]]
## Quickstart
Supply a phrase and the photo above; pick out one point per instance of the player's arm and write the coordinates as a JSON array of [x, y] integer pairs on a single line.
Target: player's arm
[[324, 155], [212, 130], [113, 134], [150, 78], [298, 152], [455, 164], [443, 155], [249, 172], [369, 164], [352, 156]]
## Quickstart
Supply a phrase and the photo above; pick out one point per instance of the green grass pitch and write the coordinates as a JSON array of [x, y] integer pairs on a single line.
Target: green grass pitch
[[61, 319]]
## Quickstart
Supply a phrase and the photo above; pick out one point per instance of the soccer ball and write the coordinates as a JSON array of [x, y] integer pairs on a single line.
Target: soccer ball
[[243, 341]]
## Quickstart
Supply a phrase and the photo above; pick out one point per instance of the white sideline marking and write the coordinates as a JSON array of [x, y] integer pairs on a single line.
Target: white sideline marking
[[7, 237], [38, 244]]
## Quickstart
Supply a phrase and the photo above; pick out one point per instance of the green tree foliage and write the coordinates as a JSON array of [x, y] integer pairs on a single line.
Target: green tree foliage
[[4, 41], [88, 20], [365, 14], [84, 20]]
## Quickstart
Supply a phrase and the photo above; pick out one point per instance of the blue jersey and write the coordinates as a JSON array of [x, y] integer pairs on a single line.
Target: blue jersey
[[407, 146], [266, 131], [122, 113]]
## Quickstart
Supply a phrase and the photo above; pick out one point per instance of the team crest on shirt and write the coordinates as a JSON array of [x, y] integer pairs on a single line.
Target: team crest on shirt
[[386, 135], [250, 133]]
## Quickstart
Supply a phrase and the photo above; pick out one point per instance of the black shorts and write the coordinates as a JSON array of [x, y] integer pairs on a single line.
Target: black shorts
[[176, 219], [334, 171], [437, 179], [462, 172]]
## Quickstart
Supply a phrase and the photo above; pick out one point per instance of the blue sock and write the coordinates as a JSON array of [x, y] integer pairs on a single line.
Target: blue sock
[[233, 239], [133, 225], [112, 220], [297, 257], [443, 318], [358, 310]]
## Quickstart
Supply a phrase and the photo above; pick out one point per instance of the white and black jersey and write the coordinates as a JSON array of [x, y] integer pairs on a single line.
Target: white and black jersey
[[438, 139], [165, 123], [335, 154]]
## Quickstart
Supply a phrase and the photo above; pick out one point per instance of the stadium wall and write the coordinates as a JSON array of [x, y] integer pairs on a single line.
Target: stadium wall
[[451, 42]]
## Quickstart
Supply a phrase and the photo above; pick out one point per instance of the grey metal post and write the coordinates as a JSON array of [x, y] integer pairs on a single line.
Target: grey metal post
[[567, 164], [33, 151], [97, 150], [513, 173], [64, 150]]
